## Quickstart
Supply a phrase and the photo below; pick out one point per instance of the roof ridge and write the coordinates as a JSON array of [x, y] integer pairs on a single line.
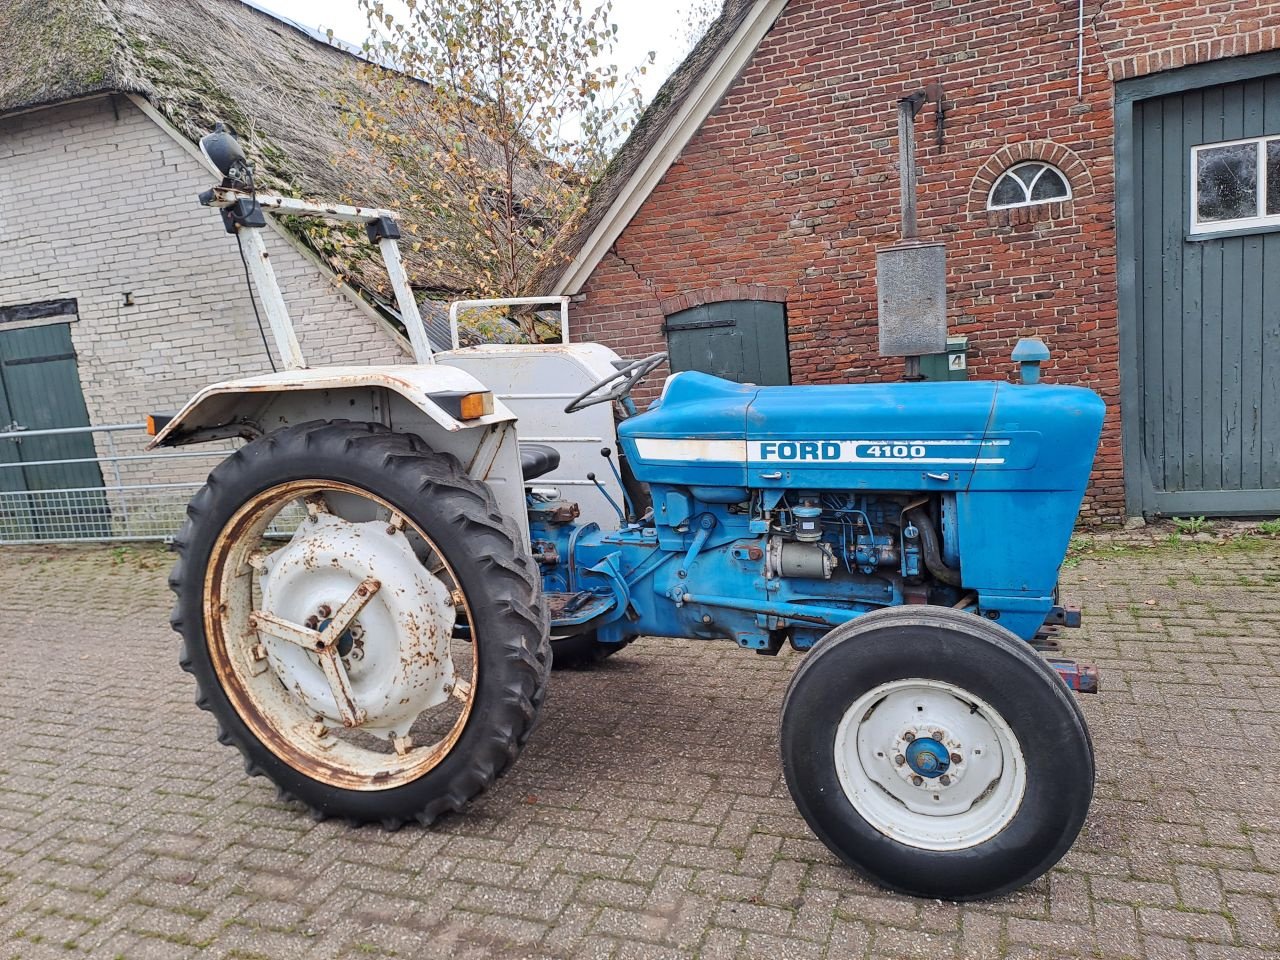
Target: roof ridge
[[312, 33]]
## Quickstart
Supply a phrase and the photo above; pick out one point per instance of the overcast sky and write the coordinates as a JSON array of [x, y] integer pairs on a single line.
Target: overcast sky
[[643, 25]]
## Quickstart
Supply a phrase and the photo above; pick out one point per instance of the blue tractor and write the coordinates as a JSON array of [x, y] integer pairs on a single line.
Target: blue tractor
[[372, 589]]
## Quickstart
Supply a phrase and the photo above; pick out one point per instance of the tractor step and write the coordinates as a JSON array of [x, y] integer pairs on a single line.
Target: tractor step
[[571, 609], [1080, 677]]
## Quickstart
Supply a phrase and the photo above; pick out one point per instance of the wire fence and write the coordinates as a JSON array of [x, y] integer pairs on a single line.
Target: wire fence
[[142, 495]]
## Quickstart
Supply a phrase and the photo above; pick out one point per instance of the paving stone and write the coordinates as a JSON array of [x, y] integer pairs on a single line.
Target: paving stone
[[1185, 924], [647, 818]]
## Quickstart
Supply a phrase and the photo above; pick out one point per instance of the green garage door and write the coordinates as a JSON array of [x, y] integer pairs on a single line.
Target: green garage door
[[41, 496], [742, 340], [1202, 403]]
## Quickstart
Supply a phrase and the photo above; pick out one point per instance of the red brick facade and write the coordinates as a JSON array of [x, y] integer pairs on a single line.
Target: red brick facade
[[790, 186]]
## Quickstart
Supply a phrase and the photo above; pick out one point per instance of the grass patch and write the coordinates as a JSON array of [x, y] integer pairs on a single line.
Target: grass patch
[[1082, 548], [1192, 525]]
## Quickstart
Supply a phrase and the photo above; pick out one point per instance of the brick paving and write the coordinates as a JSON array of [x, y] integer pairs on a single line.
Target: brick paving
[[647, 818]]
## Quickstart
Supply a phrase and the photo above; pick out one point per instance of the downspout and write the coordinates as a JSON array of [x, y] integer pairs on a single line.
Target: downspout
[[1080, 52]]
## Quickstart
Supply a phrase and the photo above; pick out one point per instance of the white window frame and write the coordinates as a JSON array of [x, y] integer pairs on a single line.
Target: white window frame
[[1240, 223], [1027, 189]]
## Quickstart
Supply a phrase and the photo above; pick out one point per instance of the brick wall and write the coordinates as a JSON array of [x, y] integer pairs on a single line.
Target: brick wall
[[792, 183], [96, 202], [1137, 37]]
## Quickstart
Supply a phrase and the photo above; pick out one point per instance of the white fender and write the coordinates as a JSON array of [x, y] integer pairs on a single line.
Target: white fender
[[406, 398]]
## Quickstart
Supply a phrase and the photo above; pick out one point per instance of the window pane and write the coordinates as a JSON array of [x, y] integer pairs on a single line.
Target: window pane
[[1273, 177], [1027, 172], [1050, 186], [1008, 191], [1227, 182]]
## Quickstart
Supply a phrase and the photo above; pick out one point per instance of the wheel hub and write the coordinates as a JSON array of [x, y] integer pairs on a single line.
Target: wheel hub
[[350, 641], [394, 659], [930, 757], [927, 757]]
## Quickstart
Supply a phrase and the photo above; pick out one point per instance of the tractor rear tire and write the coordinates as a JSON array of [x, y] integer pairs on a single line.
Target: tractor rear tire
[[493, 579], [936, 753], [582, 651]]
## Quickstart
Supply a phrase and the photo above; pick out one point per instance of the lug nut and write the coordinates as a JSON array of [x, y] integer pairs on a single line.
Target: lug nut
[[945, 780], [937, 734], [917, 780], [908, 736], [956, 758], [899, 760]]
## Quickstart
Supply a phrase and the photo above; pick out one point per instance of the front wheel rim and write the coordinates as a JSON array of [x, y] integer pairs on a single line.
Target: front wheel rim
[[930, 765]]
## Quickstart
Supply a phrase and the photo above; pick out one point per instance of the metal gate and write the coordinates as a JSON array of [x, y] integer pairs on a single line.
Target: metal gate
[[144, 498], [1200, 290], [742, 340]]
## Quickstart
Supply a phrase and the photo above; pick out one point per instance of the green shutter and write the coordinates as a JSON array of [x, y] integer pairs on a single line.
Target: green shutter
[[742, 340]]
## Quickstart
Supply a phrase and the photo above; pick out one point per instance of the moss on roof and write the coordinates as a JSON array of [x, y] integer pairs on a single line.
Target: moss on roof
[[54, 50]]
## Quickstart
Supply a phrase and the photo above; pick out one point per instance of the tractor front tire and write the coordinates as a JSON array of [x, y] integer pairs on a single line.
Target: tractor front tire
[[936, 753], [404, 491]]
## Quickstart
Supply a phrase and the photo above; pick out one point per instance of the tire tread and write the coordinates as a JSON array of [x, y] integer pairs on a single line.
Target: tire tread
[[513, 594]]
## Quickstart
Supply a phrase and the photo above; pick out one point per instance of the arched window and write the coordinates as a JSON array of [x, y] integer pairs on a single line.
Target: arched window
[[1027, 184]]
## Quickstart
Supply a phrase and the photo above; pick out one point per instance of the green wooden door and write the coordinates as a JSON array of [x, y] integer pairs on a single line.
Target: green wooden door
[[742, 340], [1205, 414], [40, 390]]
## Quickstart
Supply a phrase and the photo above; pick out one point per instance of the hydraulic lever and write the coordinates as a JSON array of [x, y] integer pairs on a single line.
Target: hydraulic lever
[[605, 493], [626, 497]]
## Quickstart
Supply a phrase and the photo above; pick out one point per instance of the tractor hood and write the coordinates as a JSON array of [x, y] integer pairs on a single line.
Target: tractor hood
[[877, 436]]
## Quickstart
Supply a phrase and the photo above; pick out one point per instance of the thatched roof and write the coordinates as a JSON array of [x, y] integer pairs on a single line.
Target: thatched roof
[[648, 133], [200, 61], [56, 51]]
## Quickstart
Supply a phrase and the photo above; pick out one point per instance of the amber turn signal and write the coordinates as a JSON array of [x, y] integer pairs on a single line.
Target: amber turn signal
[[475, 405], [157, 422]]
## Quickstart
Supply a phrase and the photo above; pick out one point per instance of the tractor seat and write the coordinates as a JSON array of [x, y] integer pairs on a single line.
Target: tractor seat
[[537, 459]]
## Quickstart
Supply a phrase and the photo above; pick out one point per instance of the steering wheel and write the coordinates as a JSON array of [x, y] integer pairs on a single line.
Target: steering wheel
[[626, 376]]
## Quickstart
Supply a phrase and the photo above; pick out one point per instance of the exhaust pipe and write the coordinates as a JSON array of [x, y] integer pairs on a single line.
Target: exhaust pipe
[[931, 549]]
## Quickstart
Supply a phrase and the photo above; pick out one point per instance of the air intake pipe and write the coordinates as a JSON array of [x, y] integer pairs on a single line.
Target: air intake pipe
[[931, 549]]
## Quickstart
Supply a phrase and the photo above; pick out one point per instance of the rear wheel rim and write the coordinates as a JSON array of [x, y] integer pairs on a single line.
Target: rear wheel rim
[[930, 765], [316, 746]]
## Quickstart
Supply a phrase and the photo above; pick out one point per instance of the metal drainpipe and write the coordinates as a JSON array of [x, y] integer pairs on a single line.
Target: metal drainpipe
[[1080, 53]]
